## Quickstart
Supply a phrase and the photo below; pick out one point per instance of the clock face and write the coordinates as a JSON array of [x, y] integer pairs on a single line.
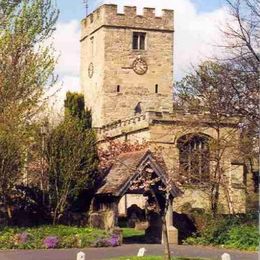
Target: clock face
[[90, 70], [140, 66]]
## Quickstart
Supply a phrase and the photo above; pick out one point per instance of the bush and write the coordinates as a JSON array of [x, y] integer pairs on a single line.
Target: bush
[[237, 231], [244, 237]]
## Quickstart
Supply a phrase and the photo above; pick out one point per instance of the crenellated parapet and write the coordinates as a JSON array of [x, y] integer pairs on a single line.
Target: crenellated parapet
[[107, 15], [124, 126], [144, 121]]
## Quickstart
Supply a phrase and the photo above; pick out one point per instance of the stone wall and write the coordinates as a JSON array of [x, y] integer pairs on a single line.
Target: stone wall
[[111, 35], [128, 200], [162, 130]]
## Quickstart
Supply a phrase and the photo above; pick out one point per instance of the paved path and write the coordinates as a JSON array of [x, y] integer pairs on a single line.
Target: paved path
[[125, 250]]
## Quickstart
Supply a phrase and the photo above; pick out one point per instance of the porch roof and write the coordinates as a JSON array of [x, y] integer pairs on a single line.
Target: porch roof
[[125, 170]]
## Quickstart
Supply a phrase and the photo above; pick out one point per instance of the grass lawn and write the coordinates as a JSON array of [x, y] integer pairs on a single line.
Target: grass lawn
[[131, 232], [130, 235]]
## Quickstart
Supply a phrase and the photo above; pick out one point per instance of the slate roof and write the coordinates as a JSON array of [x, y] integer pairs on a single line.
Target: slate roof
[[123, 171]]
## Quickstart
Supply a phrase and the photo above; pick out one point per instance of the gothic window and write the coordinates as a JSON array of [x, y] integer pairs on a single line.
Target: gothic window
[[194, 158], [139, 41]]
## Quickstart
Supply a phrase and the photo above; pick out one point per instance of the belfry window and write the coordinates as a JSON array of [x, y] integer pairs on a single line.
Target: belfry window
[[194, 158], [139, 41]]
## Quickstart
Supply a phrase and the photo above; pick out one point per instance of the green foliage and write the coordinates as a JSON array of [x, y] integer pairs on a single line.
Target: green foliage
[[239, 232], [11, 162], [69, 237], [75, 107], [26, 60], [26, 68], [72, 163]]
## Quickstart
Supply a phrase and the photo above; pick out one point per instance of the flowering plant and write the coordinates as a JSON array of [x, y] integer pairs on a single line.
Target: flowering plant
[[113, 241], [22, 238], [51, 242]]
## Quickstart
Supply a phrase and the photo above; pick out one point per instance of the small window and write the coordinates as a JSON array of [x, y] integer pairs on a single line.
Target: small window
[[156, 88], [139, 41], [92, 45], [118, 88]]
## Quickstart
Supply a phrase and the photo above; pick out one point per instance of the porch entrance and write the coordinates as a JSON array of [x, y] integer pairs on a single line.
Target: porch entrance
[[117, 204]]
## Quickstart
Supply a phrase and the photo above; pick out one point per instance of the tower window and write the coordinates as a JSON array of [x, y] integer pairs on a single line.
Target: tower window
[[118, 88], [156, 88], [92, 45], [139, 41]]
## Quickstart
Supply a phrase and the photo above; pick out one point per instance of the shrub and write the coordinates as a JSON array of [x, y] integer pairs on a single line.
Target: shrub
[[237, 231], [243, 237]]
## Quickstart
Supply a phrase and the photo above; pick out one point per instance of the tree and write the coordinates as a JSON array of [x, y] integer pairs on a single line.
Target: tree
[[26, 68], [27, 62], [11, 161], [206, 91], [75, 106], [242, 57], [72, 164]]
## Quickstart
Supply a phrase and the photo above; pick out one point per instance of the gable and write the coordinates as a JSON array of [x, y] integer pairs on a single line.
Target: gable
[[127, 168]]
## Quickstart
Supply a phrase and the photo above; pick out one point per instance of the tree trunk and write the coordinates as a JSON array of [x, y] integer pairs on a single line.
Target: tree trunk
[[167, 252]]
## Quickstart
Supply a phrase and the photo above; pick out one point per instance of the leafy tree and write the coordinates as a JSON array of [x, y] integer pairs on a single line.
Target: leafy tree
[[72, 163], [75, 106], [11, 161], [26, 68]]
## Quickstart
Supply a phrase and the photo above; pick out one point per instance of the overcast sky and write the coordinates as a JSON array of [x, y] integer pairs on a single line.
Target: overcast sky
[[197, 24]]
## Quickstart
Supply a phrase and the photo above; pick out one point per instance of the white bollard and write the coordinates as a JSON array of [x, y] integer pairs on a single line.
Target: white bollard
[[141, 252], [226, 257], [81, 256]]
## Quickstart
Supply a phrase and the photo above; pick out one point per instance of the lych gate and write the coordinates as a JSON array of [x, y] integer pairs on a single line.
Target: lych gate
[[118, 183]]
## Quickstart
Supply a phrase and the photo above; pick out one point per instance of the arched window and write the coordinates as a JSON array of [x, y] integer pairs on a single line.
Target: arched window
[[118, 89], [194, 157]]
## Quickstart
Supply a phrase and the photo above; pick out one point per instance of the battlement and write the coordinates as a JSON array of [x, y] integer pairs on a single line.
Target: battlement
[[123, 126], [144, 121], [108, 15]]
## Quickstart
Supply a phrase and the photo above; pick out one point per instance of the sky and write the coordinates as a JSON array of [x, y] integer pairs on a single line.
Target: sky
[[197, 32]]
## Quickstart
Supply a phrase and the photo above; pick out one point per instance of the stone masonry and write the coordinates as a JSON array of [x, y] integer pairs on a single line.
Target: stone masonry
[[106, 42], [113, 90]]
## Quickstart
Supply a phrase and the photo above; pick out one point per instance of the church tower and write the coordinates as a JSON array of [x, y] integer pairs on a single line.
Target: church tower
[[126, 62]]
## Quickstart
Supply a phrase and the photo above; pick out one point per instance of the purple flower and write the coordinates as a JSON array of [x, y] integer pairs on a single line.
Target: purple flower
[[114, 240], [51, 242], [24, 237]]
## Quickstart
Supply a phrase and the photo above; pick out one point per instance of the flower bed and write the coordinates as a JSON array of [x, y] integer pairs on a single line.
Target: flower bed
[[49, 237]]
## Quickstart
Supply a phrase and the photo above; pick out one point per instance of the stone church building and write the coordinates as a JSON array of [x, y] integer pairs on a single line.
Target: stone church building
[[127, 80]]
